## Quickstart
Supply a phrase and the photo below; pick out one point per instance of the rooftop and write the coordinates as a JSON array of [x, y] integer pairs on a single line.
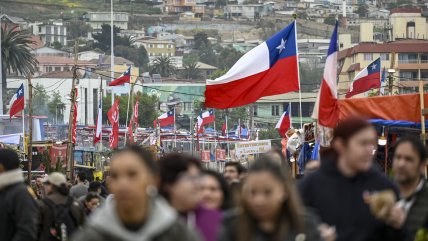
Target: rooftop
[[406, 10], [59, 60]]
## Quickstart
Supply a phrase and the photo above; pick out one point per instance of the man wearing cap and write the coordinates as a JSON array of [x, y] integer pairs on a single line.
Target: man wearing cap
[[18, 215], [57, 196]]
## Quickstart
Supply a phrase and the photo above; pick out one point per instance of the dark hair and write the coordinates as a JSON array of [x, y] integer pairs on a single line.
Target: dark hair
[[416, 144], [344, 131], [62, 189], [239, 168], [94, 186], [9, 159], [227, 195], [289, 217], [91, 196], [145, 156], [171, 166], [82, 176]]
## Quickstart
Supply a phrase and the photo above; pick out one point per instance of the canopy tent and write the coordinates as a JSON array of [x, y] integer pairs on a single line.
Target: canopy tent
[[394, 123], [394, 108]]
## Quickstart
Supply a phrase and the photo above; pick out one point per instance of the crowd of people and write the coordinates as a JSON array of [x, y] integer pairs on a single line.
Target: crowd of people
[[342, 197]]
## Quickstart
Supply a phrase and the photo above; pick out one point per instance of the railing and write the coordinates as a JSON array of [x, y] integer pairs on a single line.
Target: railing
[[408, 61]]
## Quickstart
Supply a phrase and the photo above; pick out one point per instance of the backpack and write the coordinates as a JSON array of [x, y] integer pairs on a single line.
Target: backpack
[[63, 223]]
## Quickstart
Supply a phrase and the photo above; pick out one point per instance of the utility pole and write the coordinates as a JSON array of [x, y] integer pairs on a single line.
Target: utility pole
[[30, 126], [390, 77], [70, 145], [191, 126], [250, 124]]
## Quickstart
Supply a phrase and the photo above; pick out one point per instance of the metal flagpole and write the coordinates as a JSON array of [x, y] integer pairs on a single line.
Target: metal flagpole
[[127, 109], [298, 73], [23, 123], [112, 49], [101, 103], [227, 137], [215, 140]]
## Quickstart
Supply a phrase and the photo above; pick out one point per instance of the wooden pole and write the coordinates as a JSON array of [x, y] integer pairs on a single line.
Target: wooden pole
[[30, 127], [70, 159]]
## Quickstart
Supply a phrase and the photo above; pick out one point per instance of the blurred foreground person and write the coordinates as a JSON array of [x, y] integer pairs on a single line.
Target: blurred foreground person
[[215, 191], [181, 186], [60, 214], [270, 208], [409, 163], [136, 212], [351, 195], [233, 171], [18, 209]]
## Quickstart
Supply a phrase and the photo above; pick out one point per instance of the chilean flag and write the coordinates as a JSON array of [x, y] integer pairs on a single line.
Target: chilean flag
[[123, 78], [165, 119], [269, 69], [17, 102], [206, 118], [284, 122], [367, 79], [326, 108]]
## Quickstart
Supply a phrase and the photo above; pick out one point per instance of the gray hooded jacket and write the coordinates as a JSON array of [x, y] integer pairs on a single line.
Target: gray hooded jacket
[[162, 224]]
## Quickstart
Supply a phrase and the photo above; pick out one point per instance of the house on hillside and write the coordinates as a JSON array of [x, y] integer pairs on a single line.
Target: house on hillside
[[51, 32], [97, 19], [89, 55]]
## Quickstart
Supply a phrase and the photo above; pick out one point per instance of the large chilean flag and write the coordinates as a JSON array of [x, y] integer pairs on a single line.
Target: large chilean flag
[[269, 69], [326, 109], [367, 79]]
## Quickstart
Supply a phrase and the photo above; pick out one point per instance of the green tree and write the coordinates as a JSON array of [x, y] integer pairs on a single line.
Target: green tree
[[57, 45], [218, 73], [79, 28], [191, 71], [270, 133], [40, 99], [103, 38], [330, 20], [362, 10], [16, 54], [190, 58], [228, 57], [163, 66], [201, 38], [310, 76], [148, 109], [56, 107]]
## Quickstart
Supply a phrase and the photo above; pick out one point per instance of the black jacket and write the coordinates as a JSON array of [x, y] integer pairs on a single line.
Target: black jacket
[[418, 212], [338, 201], [229, 229], [18, 212]]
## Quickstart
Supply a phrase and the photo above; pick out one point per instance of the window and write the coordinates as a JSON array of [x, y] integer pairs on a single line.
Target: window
[[275, 110], [170, 46], [255, 110], [384, 56], [368, 56], [160, 46], [424, 58], [188, 106], [408, 75], [57, 68], [407, 58]]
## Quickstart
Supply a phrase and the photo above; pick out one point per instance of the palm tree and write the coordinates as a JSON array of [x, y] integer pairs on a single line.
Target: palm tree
[[191, 71], [163, 66], [16, 54]]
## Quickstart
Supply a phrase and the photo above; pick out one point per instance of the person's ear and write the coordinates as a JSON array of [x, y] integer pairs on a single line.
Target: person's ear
[[2, 169], [338, 145]]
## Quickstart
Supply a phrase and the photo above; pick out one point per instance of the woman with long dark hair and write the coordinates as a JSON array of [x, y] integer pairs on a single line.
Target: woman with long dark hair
[[271, 209], [216, 193]]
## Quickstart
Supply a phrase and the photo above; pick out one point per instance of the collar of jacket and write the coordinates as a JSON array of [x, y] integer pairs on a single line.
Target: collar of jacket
[[11, 177]]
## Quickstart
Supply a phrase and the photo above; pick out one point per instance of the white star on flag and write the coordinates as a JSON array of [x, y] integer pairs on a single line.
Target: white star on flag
[[281, 46], [373, 66]]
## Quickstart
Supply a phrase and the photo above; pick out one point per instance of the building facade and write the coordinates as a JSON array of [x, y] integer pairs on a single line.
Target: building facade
[[181, 6], [51, 32], [157, 47], [407, 23], [97, 19]]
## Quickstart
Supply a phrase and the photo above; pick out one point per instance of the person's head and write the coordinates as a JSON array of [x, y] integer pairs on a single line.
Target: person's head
[[39, 181], [233, 171], [9, 160], [92, 201], [409, 160], [133, 176], [180, 177], [56, 183], [354, 141], [277, 155], [97, 179], [269, 195], [94, 187], [81, 177], [215, 191], [311, 166]]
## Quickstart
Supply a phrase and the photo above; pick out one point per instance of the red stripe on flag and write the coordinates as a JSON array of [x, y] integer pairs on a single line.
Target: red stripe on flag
[[17, 106], [280, 78], [365, 84], [328, 113]]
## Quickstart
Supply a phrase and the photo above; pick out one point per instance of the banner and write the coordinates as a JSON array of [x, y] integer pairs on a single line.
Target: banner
[[205, 156], [220, 154], [252, 147], [113, 116]]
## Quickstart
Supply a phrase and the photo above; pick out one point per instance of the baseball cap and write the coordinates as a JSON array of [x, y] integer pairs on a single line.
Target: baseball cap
[[56, 179]]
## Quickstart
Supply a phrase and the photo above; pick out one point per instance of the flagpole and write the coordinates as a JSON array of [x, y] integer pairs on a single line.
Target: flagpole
[[175, 131], [101, 103], [131, 86], [298, 72], [227, 137], [23, 123], [215, 140], [112, 49]]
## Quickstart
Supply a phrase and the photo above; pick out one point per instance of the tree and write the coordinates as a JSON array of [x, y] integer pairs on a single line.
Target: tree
[[310, 76], [362, 10], [79, 28], [57, 45], [191, 71], [201, 38], [16, 54], [330, 20], [228, 57], [56, 107], [190, 58], [40, 98], [218, 73], [163, 66], [103, 38]]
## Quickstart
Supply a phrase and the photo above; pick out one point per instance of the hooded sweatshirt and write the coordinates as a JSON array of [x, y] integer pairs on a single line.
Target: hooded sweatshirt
[[162, 224], [338, 200], [19, 213]]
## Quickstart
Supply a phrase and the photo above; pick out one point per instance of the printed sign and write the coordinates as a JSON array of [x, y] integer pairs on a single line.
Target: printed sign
[[252, 147], [220, 154]]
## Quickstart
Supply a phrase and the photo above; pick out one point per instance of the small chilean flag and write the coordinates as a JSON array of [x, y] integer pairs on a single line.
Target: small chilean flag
[[269, 69], [98, 128], [165, 119], [124, 78], [367, 79], [326, 109], [206, 118], [284, 122], [17, 101]]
